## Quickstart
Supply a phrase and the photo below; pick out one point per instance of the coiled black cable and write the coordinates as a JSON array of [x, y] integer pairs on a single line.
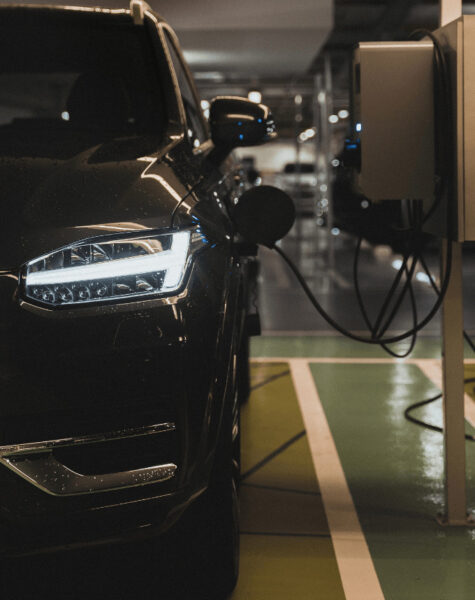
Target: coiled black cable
[[350, 334], [421, 423], [364, 311], [443, 193]]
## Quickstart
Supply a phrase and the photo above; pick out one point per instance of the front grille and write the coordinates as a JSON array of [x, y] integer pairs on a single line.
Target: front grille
[[120, 455], [57, 424], [55, 398]]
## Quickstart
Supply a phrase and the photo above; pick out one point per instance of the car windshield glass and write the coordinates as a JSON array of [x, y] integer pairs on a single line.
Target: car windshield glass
[[71, 80]]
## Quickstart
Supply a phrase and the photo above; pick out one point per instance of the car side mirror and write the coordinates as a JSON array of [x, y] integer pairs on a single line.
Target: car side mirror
[[237, 122], [264, 215]]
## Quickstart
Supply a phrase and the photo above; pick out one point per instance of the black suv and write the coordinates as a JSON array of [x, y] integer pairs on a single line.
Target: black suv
[[123, 290]]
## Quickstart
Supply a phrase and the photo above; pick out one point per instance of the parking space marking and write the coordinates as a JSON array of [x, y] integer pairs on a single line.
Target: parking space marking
[[357, 572], [432, 369], [286, 546], [351, 361], [259, 384], [273, 454]]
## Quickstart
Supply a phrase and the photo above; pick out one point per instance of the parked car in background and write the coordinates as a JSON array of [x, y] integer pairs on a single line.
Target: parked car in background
[[299, 180], [123, 293]]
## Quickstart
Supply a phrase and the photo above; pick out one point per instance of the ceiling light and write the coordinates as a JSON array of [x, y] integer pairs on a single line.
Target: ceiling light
[[423, 277], [396, 264], [255, 96]]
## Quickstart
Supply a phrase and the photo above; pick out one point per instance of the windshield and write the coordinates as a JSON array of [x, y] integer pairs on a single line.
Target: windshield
[[72, 80]]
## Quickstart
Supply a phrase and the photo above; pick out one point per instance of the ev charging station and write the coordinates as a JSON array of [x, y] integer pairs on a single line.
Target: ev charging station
[[394, 110]]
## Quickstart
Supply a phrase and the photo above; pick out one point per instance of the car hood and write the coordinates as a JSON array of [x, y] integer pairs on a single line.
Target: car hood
[[108, 188]]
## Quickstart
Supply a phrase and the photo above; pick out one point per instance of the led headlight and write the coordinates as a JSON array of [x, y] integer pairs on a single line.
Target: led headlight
[[111, 269]]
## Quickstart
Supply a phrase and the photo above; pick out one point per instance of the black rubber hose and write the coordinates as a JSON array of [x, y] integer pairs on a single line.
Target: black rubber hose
[[364, 312], [420, 423], [359, 338]]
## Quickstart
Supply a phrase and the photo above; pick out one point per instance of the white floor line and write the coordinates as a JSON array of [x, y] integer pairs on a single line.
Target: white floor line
[[344, 360], [433, 370], [358, 575], [328, 360], [431, 367], [349, 361], [333, 333]]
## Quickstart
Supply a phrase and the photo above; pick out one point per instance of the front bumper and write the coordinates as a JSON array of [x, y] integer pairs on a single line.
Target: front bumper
[[39, 463], [121, 522], [141, 389]]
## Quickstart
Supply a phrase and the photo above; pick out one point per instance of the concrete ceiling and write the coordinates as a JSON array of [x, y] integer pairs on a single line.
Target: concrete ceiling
[[255, 39], [251, 38]]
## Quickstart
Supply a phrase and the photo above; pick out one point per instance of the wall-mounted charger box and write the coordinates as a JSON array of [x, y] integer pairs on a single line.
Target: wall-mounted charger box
[[393, 118]]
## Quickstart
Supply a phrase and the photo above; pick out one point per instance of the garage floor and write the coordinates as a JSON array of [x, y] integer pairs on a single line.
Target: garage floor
[[346, 509]]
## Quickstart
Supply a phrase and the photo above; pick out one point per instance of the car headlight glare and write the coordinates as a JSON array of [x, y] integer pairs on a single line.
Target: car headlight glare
[[111, 269]]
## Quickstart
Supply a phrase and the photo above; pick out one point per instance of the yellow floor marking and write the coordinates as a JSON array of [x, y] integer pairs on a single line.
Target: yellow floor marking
[[286, 549], [287, 568], [293, 469], [270, 418], [358, 575], [275, 511], [260, 376]]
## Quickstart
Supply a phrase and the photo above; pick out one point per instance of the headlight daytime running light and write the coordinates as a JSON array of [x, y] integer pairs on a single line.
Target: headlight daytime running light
[[106, 269]]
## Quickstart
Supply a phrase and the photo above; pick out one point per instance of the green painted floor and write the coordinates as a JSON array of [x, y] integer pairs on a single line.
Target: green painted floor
[[394, 471], [337, 346]]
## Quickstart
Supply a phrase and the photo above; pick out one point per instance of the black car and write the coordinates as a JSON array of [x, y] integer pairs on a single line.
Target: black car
[[123, 289]]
